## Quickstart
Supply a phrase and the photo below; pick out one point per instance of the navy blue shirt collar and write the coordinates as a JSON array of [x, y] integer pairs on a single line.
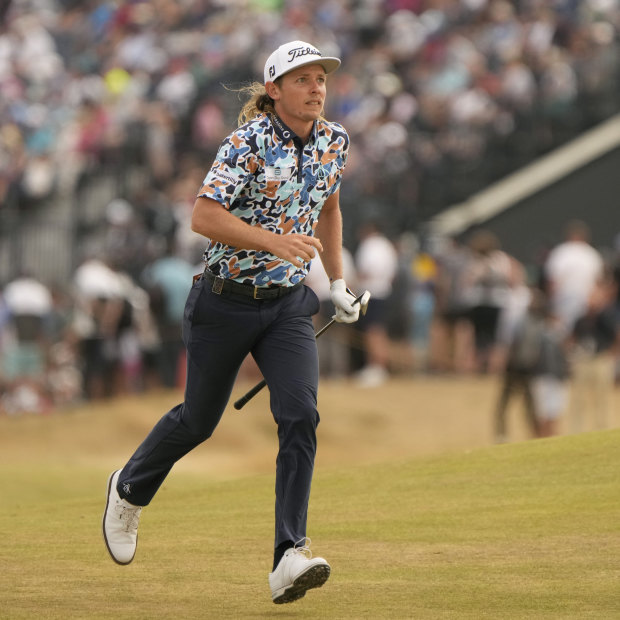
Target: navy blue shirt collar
[[286, 133]]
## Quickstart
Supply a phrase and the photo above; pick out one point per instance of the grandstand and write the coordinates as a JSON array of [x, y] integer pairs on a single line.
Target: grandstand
[[104, 101], [576, 181]]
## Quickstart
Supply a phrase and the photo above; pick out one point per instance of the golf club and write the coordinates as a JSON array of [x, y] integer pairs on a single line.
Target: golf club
[[259, 386]]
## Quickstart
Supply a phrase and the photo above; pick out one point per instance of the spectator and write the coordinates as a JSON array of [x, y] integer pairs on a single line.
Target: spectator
[[594, 345], [376, 263], [550, 384], [452, 339], [522, 361], [421, 301], [572, 270], [518, 299], [29, 304], [167, 281], [487, 281], [99, 311], [64, 377], [136, 335]]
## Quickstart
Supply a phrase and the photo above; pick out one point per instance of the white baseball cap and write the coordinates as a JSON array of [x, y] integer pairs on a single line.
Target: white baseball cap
[[295, 54]]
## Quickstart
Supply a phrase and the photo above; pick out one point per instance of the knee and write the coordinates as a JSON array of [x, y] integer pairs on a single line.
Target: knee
[[197, 428], [297, 426], [198, 435]]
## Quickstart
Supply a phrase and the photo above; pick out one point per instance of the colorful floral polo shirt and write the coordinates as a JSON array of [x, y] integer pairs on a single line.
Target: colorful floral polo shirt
[[266, 176]]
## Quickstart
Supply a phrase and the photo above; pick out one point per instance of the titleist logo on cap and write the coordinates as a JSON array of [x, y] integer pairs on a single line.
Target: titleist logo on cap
[[298, 52]]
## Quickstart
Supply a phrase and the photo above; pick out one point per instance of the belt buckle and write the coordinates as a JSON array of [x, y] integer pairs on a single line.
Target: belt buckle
[[254, 293], [218, 285]]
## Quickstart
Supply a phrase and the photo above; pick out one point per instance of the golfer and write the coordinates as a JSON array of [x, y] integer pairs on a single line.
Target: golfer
[[268, 202]]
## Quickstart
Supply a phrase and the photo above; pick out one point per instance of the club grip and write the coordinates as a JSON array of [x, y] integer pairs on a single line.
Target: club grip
[[251, 394]]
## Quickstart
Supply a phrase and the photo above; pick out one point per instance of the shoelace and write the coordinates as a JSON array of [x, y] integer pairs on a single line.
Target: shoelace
[[303, 546], [129, 516]]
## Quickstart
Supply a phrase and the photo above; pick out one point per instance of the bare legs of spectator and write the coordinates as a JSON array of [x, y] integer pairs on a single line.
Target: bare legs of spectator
[[551, 398], [377, 351], [451, 346], [548, 428]]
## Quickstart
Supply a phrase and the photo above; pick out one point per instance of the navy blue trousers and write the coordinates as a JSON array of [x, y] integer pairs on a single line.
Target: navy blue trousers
[[219, 331]]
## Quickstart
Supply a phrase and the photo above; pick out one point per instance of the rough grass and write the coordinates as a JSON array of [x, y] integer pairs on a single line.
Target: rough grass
[[524, 530]]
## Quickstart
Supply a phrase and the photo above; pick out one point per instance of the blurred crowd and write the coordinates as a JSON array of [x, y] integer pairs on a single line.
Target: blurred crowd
[[440, 97], [548, 330]]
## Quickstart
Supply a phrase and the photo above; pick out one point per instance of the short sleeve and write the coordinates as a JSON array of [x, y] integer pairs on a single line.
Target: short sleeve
[[234, 165], [342, 141]]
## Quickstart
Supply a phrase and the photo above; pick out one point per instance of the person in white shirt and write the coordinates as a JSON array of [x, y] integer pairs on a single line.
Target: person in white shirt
[[28, 307], [571, 270], [376, 262]]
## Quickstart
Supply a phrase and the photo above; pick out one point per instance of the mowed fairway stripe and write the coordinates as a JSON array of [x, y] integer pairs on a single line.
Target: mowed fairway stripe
[[525, 530]]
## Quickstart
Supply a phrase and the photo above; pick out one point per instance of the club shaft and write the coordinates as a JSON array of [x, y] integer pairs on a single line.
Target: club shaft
[[250, 394]]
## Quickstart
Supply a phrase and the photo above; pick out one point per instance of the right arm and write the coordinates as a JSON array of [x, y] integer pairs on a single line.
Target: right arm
[[212, 220]]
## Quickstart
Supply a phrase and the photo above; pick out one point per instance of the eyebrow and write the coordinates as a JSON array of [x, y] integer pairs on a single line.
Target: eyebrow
[[306, 73]]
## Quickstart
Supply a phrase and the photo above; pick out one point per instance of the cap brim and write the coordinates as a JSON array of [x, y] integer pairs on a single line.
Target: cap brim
[[329, 63]]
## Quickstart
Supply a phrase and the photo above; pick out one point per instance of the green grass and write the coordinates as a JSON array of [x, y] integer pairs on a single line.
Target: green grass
[[526, 530]]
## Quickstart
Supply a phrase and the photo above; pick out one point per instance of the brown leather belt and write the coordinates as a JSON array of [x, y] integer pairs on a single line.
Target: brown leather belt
[[224, 285]]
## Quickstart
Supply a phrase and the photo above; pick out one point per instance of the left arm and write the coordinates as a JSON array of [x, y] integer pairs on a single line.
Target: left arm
[[329, 232], [329, 229]]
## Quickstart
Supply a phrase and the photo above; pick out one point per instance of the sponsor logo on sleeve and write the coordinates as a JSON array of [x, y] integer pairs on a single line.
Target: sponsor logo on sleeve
[[222, 176]]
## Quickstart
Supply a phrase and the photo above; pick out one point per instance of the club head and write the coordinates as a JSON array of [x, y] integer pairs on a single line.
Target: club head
[[364, 302]]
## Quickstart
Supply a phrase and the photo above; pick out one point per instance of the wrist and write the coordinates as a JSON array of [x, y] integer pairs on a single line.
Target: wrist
[[338, 284]]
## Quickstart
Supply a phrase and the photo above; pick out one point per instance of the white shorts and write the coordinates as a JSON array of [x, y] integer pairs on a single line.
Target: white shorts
[[550, 396]]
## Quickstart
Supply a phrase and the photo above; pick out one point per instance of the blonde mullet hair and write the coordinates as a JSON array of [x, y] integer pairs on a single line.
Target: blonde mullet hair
[[258, 102]]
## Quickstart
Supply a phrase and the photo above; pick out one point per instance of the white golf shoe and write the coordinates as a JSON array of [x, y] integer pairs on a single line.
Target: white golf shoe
[[120, 524], [296, 573]]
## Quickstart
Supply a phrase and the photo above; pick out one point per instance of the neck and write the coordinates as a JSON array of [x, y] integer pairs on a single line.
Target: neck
[[302, 128]]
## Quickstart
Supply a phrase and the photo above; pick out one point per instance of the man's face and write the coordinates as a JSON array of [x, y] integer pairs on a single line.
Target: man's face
[[300, 96]]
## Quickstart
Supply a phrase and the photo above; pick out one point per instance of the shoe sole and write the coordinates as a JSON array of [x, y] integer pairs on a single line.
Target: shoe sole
[[105, 512], [314, 577]]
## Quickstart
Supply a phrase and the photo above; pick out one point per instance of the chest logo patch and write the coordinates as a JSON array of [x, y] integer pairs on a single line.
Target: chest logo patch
[[275, 173]]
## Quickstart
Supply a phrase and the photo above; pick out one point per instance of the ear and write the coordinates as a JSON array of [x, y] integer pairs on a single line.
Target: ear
[[272, 90]]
